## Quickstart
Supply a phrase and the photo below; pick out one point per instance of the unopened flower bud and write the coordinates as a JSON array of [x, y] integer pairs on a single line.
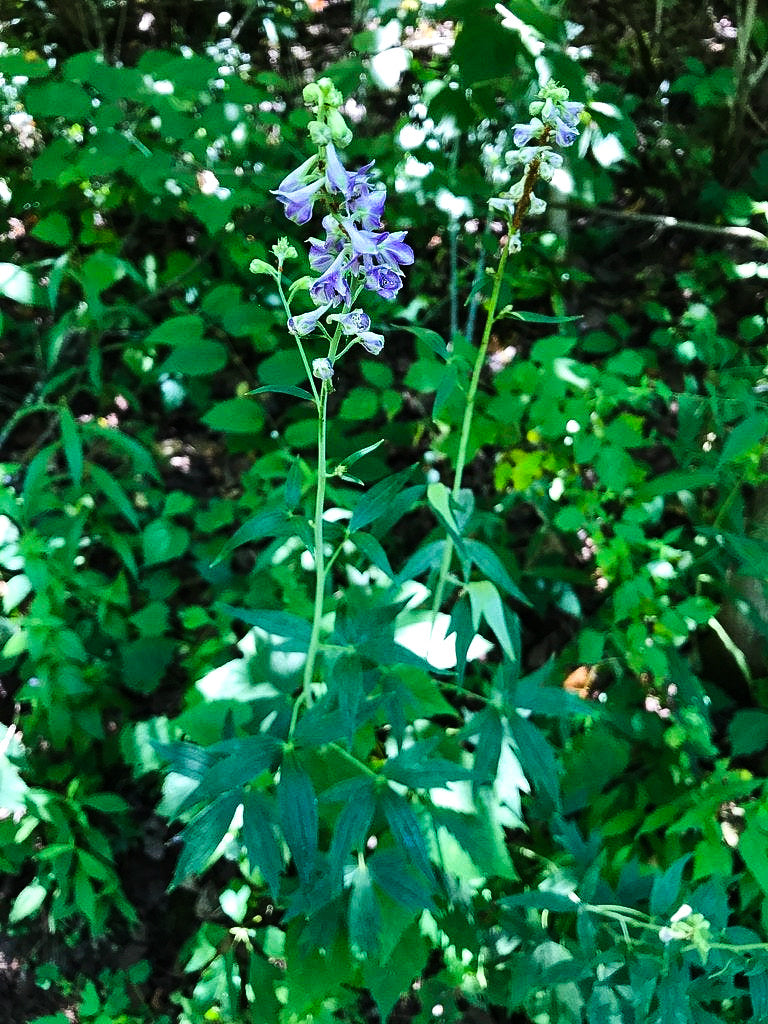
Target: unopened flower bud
[[322, 369]]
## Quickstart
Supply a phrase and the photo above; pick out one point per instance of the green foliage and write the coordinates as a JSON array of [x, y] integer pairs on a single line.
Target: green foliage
[[515, 817]]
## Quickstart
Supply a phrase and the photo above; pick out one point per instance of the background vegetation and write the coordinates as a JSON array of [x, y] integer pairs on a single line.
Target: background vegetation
[[547, 806]]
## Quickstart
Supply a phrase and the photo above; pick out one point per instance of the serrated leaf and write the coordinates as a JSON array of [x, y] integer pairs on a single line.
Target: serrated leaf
[[417, 768], [276, 623], [297, 805], [665, 892], [489, 563], [202, 836], [351, 830], [261, 844], [270, 522], [393, 873], [406, 831], [486, 603], [250, 756], [376, 502], [364, 914], [537, 757]]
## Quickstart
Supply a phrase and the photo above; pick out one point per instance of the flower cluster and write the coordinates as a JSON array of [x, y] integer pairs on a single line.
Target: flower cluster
[[553, 118], [356, 252]]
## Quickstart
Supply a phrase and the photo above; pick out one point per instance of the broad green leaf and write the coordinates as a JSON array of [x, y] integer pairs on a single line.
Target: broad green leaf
[[145, 661], [297, 805], [163, 540], [672, 483], [176, 330], [455, 512], [196, 359], [63, 99], [202, 836], [235, 416], [748, 732], [744, 437], [261, 845], [376, 502], [53, 229]]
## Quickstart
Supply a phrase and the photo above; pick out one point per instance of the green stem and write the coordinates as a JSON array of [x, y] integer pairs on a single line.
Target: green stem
[[469, 411], [314, 640]]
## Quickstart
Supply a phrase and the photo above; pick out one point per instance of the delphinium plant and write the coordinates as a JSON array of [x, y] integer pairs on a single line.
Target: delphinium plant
[[553, 125], [356, 255]]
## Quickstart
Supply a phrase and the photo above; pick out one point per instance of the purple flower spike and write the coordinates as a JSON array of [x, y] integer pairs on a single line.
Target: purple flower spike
[[372, 343], [331, 286]]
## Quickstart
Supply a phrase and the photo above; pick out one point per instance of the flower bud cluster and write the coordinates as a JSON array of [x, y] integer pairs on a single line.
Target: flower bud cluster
[[356, 253], [554, 118]]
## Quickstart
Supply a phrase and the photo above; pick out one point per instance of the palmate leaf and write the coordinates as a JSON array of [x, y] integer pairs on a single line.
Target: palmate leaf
[[537, 757], [364, 914], [269, 522], [376, 502], [261, 844], [249, 757], [203, 834], [297, 805], [417, 768], [351, 829], [406, 831]]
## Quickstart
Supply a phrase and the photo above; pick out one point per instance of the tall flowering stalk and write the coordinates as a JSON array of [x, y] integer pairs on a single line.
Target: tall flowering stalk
[[355, 255], [554, 120]]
